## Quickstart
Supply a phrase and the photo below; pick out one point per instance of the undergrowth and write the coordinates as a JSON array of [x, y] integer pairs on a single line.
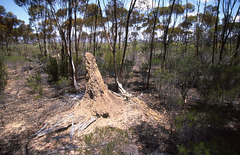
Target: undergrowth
[[35, 83], [106, 141]]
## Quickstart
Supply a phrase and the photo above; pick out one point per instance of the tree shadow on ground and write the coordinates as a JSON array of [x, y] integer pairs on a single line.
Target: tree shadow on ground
[[154, 138], [214, 129]]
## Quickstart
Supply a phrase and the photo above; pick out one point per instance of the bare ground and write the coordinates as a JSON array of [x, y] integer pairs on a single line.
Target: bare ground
[[23, 113]]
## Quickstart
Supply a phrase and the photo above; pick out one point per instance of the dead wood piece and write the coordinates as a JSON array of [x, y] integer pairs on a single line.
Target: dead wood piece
[[61, 124], [122, 90], [84, 126], [52, 129], [39, 131]]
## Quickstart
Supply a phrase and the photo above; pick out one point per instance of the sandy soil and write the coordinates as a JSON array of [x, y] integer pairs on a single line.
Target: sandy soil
[[23, 114]]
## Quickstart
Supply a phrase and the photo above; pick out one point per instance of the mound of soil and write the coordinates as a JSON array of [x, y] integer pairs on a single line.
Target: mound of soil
[[57, 123], [98, 100]]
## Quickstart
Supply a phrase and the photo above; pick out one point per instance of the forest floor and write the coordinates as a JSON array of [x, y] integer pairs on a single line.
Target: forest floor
[[23, 113]]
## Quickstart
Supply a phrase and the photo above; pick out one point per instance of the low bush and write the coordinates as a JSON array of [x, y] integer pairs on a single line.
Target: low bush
[[53, 69], [3, 76], [63, 82], [35, 83], [163, 80]]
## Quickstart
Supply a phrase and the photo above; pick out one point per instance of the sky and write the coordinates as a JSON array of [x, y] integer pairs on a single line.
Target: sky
[[22, 14], [11, 6]]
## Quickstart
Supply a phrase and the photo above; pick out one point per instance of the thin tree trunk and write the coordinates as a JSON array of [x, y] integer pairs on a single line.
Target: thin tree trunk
[[39, 43], [165, 41], [109, 44], [151, 51], [224, 38], [197, 30], [70, 44], [114, 45], [232, 63], [215, 34], [44, 33], [95, 28], [76, 40], [126, 35]]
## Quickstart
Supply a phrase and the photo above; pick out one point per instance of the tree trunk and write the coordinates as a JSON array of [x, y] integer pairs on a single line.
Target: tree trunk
[[126, 35], [74, 82], [114, 45], [95, 29], [215, 34], [44, 33], [151, 51], [226, 23], [76, 39], [165, 41], [197, 30]]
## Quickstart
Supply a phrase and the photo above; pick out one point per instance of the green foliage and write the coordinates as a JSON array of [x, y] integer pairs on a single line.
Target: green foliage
[[188, 70], [53, 69], [144, 69], [107, 140], [144, 66], [35, 83], [63, 82], [156, 61], [63, 67], [163, 78], [196, 148], [109, 64], [204, 129], [215, 146], [127, 70], [219, 83], [15, 60], [190, 127], [3, 76], [43, 59]]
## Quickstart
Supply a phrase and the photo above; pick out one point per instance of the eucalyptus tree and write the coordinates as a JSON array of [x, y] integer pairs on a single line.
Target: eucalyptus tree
[[215, 32], [8, 24], [167, 13], [122, 18], [155, 12], [130, 10], [228, 22], [92, 20], [187, 23]]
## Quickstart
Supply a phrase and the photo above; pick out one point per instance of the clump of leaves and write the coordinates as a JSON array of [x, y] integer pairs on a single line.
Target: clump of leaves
[[144, 69], [163, 79], [219, 83], [52, 69], [128, 66], [205, 129], [35, 83], [63, 82], [187, 71]]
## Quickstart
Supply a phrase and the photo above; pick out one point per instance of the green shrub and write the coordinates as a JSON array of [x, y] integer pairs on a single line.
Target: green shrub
[[35, 83], [3, 76], [163, 78], [63, 67], [109, 64], [107, 140], [188, 71], [219, 83], [63, 82], [144, 69], [53, 69]]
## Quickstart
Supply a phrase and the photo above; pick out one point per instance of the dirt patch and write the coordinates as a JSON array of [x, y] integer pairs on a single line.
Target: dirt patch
[[23, 115]]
